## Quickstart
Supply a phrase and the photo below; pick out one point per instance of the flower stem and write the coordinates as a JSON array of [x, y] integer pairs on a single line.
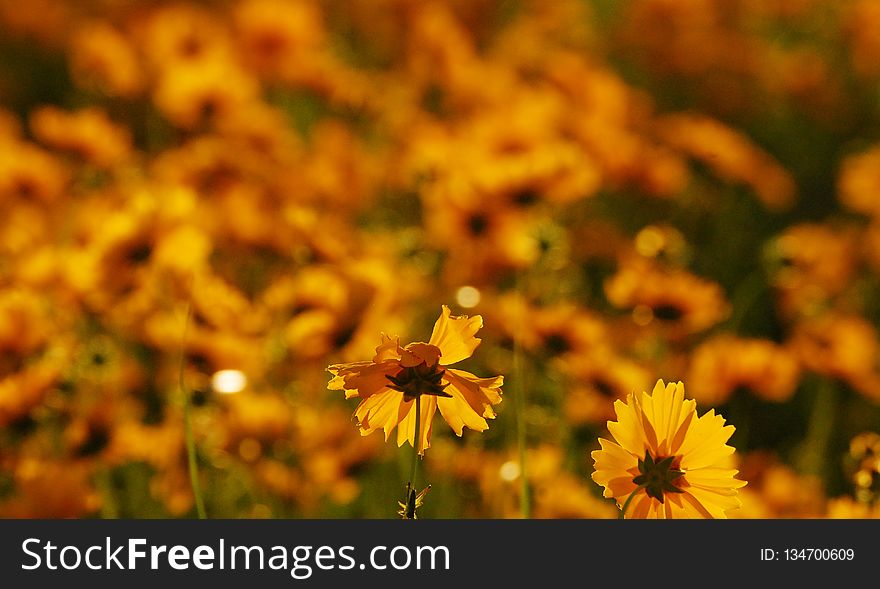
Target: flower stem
[[747, 294], [187, 428], [525, 500], [629, 499], [416, 442], [814, 454]]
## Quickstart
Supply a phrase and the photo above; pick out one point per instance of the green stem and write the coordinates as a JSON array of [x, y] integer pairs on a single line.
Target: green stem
[[629, 499], [525, 500], [814, 456], [109, 507], [744, 298], [416, 442], [519, 401], [187, 427]]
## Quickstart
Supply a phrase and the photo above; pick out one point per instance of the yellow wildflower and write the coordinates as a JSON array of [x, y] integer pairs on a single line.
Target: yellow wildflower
[[396, 376], [666, 461]]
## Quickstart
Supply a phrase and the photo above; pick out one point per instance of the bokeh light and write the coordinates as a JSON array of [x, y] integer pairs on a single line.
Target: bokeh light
[[467, 297], [228, 381]]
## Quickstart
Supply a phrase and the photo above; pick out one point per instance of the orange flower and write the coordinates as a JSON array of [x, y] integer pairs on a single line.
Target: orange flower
[[670, 462], [104, 58], [88, 133], [723, 364], [397, 376]]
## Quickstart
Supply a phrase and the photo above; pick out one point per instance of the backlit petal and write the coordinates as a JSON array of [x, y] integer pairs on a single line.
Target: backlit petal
[[361, 379], [455, 336]]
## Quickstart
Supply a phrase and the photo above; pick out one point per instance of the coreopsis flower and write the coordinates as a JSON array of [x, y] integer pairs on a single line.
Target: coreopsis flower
[[391, 382], [599, 380], [103, 58], [723, 364], [840, 346], [811, 264], [678, 302], [88, 133], [731, 155], [670, 462], [849, 508], [30, 174]]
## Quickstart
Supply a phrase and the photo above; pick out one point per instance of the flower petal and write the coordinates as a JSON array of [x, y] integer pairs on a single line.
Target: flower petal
[[389, 349], [471, 401], [628, 430], [406, 417], [455, 336], [362, 379], [705, 442], [381, 410], [418, 353]]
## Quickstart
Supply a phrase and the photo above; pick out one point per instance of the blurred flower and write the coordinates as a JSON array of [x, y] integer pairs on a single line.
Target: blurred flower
[[681, 302], [88, 133], [777, 490], [598, 380], [389, 384], [848, 508], [30, 362], [102, 57], [861, 24], [864, 450], [859, 181], [482, 235], [731, 155], [278, 37], [29, 174], [565, 331], [663, 242], [723, 364], [44, 22], [51, 489], [180, 33], [559, 493], [193, 93], [840, 346], [666, 459], [811, 264]]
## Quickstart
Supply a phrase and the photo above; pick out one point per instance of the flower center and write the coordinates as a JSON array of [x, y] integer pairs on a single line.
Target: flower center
[[422, 379], [658, 477], [668, 312]]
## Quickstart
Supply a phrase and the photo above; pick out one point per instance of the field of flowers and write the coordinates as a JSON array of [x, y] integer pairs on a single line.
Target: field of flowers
[[206, 204]]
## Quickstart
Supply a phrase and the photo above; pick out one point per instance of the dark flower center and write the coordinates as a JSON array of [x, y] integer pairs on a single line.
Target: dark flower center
[[604, 387], [343, 336], [526, 197], [557, 343], [478, 224], [668, 312], [658, 477], [139, 253], [414, 381]]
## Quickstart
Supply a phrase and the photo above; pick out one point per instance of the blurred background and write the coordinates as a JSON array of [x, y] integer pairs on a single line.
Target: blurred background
[[624, 190]]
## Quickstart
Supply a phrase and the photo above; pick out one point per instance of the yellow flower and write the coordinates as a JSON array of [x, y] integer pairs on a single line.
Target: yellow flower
[[396, 376], [722, 364], [671, 461], [89, 133], [676, 301], [104, 58]]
